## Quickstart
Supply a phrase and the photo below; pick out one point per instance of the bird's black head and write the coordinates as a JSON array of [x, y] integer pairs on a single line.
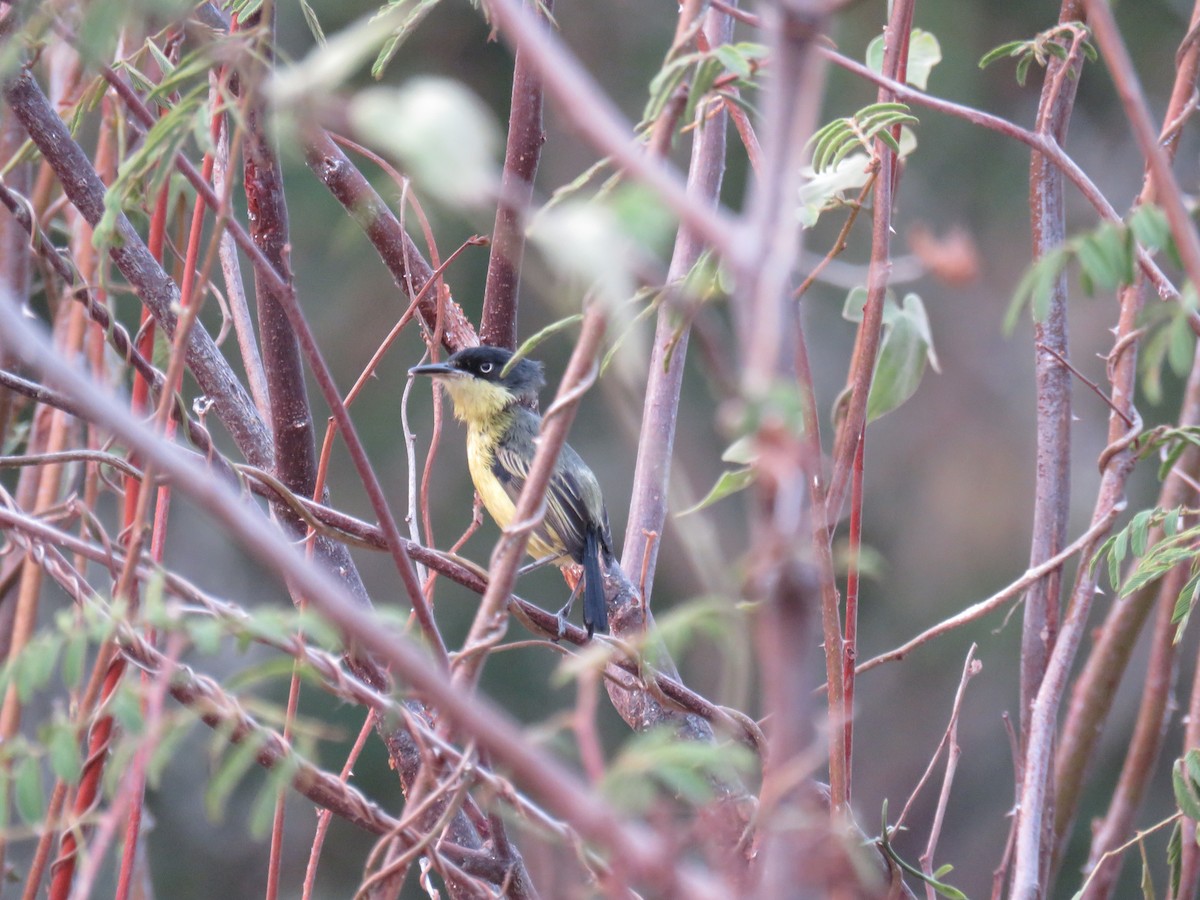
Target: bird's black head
[[523, 379]]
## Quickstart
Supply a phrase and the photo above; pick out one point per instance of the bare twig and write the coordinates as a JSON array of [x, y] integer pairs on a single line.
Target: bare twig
[[996, 600]]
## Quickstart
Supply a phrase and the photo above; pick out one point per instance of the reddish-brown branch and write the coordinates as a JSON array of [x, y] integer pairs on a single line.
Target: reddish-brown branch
[[498, 324]]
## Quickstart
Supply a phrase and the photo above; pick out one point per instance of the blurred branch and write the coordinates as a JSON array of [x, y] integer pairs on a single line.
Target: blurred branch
[[790, 588]]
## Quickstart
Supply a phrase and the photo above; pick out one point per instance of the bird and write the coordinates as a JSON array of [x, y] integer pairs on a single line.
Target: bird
[[490, 396]]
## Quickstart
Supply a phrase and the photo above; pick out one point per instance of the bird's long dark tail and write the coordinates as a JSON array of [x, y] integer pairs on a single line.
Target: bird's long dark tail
[[595, 611]]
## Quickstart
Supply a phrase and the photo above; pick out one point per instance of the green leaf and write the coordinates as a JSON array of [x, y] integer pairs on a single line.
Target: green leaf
[[1023, 69], [531, 343], [855, 306], [702, 283], [1106, 256], [73, 658], [1175, 857], [906, 347], [734, 60], [1187, 792], [1147, 883], [1185, 603], [664, 83], [729, 483], [1149, 225], [833, 142], [62, 746], [658, 759], [741, 451], [924, 53], [164, 750], [702, 81], [36, 665], [279, 779], [1036, 287], [1004, 51], [411, 19], [27, 780], [1139, 531], [1181, 345], [234, 765], [125, 705], [314, 24]]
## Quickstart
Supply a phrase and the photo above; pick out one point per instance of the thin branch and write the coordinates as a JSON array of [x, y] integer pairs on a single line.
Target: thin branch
[[996, 600]]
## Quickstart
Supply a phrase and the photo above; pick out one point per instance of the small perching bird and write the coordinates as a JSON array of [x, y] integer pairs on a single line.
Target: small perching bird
[[501, 442]]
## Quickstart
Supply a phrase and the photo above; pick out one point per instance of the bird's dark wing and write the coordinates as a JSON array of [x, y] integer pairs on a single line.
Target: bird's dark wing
[[572, 493]]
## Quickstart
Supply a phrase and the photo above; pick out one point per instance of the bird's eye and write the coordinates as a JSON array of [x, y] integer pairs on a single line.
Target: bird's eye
[[485, 367]]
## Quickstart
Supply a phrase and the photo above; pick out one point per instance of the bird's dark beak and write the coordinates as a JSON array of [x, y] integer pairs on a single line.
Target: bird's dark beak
[[433, 369]]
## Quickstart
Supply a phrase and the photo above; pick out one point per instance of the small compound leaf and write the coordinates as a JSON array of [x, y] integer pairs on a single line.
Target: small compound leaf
[[66, 760]]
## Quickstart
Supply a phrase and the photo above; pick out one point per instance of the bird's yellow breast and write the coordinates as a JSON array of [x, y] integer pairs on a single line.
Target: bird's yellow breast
[[481, 444]]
